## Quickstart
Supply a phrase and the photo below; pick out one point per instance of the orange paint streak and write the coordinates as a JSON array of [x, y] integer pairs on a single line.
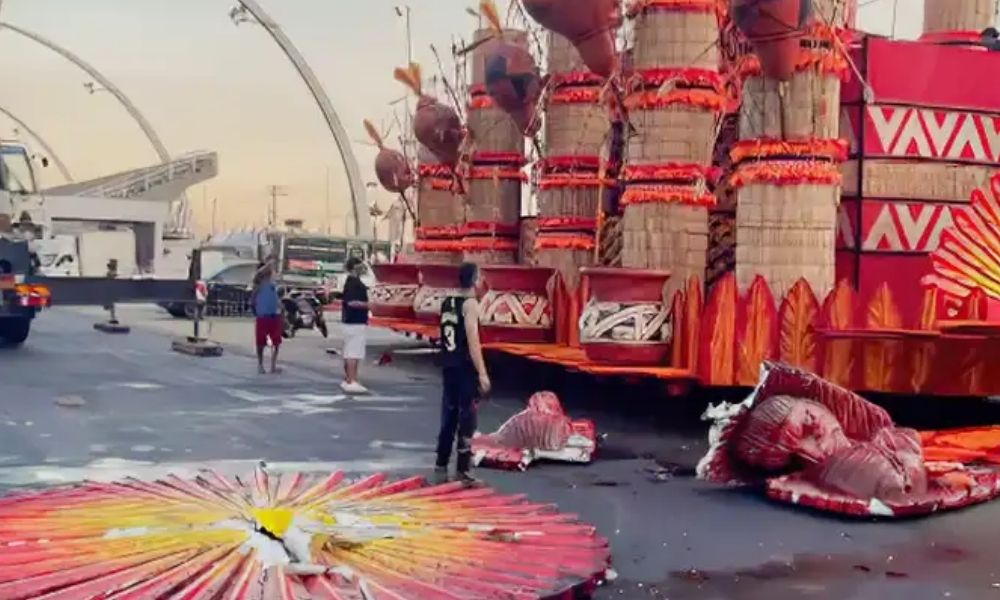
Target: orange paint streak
[[758, 336], [799, 314]]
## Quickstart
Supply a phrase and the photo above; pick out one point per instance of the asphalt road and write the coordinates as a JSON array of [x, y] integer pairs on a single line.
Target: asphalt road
[[147, 411]]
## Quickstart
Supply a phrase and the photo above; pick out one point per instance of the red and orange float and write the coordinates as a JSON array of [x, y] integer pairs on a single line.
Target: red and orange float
[[511, 75], [517, 307], [588, 24], [391, 167], [627, 318], [435, 124], [775, 28], [437, 282], [396, 291]]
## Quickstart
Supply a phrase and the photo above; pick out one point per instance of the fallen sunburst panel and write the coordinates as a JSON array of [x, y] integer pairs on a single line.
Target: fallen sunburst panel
[[292, 536]]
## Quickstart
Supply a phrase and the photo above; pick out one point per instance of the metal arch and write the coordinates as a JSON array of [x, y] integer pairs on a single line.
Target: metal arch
[[362, 222], [132, 110], [41, 141]]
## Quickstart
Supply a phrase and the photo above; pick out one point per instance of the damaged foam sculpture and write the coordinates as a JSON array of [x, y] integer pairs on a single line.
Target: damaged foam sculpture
[[813, 443], [542, 431]]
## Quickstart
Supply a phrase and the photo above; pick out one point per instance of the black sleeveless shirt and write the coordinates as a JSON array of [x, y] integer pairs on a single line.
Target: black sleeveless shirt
[[454, 341]]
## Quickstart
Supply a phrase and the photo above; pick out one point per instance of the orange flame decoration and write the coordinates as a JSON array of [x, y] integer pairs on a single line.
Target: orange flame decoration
[[765, 148], [487, 244], [781, 172], [637, 7], [566, 223], [576, 95], [758, 335], [497, 173], [681, 78], [438, 246], [922, 351], [717, 359], [838, 311], [573, 180], [434, 170], [968, 259], [552, 164], [798, 344], [881, 356], [687, 172], [652, 100], [563, 241], [581, 78], [665, 194]]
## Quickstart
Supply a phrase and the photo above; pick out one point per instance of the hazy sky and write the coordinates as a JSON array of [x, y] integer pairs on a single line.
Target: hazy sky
[[207, 84]]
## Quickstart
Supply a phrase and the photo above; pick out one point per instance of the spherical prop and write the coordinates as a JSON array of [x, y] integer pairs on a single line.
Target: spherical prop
[[439, 128], [588, 24], [291, 536], [775, 28], [514, 83], [392, 171]]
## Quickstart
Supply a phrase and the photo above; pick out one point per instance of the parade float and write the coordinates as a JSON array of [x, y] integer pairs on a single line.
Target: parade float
[[790, 189]]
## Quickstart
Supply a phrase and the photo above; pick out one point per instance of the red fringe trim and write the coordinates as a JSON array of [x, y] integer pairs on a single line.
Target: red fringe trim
[[563, 241], [666, 172], [437, 246], [486, 244], [556, 164], [783, 173], [441, 185], [439, 232], [665, 194], [831, 149], [573, 180], [505, 158], [566, 223], [689, 78], [826, 60], [559, 80], [576, 95], [434, 170], [489, 228], [497, 174], [481, 102], [651, 100]]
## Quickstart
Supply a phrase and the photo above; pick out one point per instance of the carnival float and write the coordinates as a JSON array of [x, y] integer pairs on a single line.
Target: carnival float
[[716, 184]]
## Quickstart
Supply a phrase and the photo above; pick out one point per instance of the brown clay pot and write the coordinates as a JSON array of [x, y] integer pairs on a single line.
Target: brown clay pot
[[775, 28]]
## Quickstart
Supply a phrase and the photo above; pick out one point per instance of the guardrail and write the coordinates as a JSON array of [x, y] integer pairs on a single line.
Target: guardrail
[[150, 177]]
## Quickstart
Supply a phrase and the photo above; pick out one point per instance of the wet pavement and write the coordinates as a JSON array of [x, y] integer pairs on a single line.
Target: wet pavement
[[77, 404]]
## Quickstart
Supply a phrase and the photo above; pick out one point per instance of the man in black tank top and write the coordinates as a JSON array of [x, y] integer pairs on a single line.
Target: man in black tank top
[[463, 373]]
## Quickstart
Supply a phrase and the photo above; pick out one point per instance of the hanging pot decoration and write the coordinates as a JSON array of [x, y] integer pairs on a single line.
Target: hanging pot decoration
[[775, 28], [391, 167], [513, 80], [588, 24], [435, 125]]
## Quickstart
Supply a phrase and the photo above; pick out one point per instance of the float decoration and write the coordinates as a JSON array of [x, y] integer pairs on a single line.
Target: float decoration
[[542, 431], [435, 125], [274, 537], [626, 319], [437, 282], [774, 28], [517, 307], [588, 24], [391, 167], [394, 295], [513, 80]]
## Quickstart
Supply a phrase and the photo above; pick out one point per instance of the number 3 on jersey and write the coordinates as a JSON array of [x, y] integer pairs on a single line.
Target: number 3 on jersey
[[448, 332]]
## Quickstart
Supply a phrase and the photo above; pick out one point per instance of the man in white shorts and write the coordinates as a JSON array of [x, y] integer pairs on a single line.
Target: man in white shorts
[[354, 314]]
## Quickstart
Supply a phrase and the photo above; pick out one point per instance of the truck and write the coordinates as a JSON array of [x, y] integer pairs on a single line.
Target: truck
[[26, 291], [87, 254], [316, 263]]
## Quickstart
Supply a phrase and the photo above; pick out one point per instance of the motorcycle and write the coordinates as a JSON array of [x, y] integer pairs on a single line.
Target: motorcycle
[[303, 310]]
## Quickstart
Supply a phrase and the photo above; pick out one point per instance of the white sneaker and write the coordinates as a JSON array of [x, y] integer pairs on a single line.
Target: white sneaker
[[353, 388]]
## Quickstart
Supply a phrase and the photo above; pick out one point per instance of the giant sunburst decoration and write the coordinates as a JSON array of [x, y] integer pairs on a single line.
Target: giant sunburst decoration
[[969, 255], [290, 537]]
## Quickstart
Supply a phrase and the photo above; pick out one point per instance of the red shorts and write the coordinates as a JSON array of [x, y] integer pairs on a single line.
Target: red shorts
[[268, 328]]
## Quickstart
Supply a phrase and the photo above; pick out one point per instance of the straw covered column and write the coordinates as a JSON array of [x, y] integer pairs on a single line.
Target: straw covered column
[[440, 212], [495, 179], [787, 162], [957, 19], [568, 177], [675, 99]]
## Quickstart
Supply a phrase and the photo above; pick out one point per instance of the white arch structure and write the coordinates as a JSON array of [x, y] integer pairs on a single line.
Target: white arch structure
[[362, 222], [41, 142]]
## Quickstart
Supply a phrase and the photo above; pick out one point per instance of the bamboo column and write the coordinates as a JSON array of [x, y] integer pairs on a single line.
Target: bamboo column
[[675, 102], [957, 19], [787, 173], [494, 180], [440, 212]]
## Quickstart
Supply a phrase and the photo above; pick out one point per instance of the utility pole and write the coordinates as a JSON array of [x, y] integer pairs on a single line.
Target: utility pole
[[215, 206], [276, 192]]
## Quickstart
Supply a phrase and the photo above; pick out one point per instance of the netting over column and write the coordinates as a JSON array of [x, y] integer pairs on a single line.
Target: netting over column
[[674, 103]]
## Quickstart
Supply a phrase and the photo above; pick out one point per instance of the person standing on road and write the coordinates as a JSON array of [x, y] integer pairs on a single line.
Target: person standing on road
[[267, 310], [354, 313], [463, 374]]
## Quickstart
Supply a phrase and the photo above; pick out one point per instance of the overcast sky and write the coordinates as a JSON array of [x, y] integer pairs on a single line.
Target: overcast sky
[[207, 84]]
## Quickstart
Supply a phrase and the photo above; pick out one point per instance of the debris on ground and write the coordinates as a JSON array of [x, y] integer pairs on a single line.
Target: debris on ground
[[70, 401], [542, 431]]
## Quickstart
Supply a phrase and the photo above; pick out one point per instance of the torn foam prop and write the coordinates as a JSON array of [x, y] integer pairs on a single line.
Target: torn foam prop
[[812, 443], [542, 431], [273, 537]]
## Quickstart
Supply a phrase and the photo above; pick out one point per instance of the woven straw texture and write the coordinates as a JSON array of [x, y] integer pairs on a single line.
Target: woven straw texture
[[958, 15], [567, 262], [492, 130], [529, 232], [569, 202], [667, 39], [787, 233], [439, 208], [668, 237], [479, 55], [916, 180], [562, 56], [575, 130], [612, 242], [809, 108], [672, 134], [493, 201]]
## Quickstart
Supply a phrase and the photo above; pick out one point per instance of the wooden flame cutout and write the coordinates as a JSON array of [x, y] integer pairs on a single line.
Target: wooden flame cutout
[[799, 346], [968, 258], [758, 332], [881, 356]]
